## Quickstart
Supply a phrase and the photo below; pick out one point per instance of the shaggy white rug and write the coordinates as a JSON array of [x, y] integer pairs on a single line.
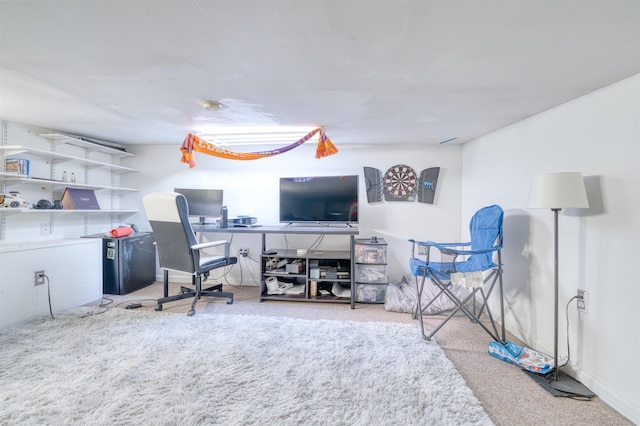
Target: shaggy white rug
[[137, 367]]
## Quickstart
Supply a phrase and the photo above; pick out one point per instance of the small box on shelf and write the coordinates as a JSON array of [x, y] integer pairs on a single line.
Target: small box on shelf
[[294, 268], [331, 273]]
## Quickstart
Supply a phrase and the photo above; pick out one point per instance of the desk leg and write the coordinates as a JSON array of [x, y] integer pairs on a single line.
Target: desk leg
[[353, 270]]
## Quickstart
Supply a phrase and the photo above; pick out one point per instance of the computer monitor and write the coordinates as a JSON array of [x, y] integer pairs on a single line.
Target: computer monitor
[[203, 203]]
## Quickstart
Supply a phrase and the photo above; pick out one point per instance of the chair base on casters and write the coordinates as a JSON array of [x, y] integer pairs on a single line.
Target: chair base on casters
[[195, 293]]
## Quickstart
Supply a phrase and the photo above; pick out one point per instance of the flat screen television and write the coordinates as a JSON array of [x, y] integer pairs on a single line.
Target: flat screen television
[[319, 199], [203, 203]]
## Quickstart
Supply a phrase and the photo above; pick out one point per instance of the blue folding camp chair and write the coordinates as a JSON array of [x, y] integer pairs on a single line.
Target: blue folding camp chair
[[470, 264]]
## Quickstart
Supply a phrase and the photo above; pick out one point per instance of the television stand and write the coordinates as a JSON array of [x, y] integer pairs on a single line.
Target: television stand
[[318, 270]]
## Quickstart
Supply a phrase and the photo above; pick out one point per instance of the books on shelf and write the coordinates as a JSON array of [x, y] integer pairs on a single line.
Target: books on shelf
[[19, 166]]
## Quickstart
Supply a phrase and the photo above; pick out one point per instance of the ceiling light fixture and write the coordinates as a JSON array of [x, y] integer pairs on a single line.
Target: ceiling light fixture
[[211, 105], [255, 135]]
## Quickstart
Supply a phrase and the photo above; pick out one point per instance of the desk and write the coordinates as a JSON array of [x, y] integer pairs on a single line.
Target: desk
[[321, 256]]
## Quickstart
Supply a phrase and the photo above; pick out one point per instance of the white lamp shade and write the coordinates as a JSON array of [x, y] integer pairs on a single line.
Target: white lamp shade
[[558, 191]]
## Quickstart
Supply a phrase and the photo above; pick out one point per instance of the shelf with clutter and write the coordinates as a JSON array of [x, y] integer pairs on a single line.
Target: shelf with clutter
[[38, 167], [313, 276]]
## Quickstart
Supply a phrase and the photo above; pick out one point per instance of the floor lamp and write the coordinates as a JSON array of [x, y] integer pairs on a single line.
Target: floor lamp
[[556, 191]]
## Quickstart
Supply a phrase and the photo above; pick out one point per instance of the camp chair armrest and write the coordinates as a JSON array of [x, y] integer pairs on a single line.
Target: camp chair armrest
[[469, 252], [437, 245], [448, 246]]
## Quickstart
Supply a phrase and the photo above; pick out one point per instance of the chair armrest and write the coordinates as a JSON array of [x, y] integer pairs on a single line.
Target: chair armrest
[[447, 250], [201, 246], [442, 247], [446, 246], [437, 245]]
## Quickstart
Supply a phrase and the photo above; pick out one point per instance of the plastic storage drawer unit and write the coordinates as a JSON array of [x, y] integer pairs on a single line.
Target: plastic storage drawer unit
[[370, 258]]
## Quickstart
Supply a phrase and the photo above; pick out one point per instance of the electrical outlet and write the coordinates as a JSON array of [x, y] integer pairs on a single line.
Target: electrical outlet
[[44, 229], [38, 277], [583, 300], [244, 252]]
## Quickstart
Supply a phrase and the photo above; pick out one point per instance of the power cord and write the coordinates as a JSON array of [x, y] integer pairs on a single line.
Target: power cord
[[568, 345], [249, 269], [102, 304], [48, 293], [316, 244]]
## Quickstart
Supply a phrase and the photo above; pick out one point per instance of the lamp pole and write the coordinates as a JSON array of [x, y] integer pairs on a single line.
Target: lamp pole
[[555, 296]]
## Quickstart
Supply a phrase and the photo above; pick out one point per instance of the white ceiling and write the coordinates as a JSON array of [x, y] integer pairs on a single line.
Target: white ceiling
[[377, 71]]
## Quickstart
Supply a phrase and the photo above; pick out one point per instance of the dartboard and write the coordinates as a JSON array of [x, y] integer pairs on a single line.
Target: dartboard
[[400, 183]]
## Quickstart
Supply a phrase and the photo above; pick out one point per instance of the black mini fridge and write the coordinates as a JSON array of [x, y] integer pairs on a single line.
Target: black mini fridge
[[128, 263]]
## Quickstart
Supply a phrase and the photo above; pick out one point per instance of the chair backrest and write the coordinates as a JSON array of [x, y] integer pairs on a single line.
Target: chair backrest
[[486, 232], [168, 214]]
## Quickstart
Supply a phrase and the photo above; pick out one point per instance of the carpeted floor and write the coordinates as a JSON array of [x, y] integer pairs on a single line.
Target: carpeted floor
[[144, 367], [507, 394]]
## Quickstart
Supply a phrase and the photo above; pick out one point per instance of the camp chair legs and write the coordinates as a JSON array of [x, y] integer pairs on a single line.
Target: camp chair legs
[[468, 306]]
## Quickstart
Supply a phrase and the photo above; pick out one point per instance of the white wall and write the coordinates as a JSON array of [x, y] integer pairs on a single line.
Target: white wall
[[72, 268], [251, 188], [598, 135]]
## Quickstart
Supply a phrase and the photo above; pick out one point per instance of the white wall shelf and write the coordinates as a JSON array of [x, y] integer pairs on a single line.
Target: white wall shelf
[[8, 211], [12, 179], [96, 165], [11, 151]]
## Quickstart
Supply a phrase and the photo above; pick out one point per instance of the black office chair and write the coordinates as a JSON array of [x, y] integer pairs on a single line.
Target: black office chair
[[178, 248]]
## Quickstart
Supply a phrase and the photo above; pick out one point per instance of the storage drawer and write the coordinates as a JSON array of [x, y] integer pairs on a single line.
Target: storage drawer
[[371, 273], [368, 252], [371, 293]]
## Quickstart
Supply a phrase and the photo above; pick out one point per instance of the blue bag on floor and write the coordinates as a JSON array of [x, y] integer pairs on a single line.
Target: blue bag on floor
[[523, 357]]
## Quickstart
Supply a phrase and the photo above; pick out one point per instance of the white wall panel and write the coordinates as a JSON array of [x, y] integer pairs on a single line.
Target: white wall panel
[[73, 268], [598, 135]]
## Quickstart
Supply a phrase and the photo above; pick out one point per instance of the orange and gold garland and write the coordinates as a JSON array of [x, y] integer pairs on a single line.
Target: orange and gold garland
[[195, 143]]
